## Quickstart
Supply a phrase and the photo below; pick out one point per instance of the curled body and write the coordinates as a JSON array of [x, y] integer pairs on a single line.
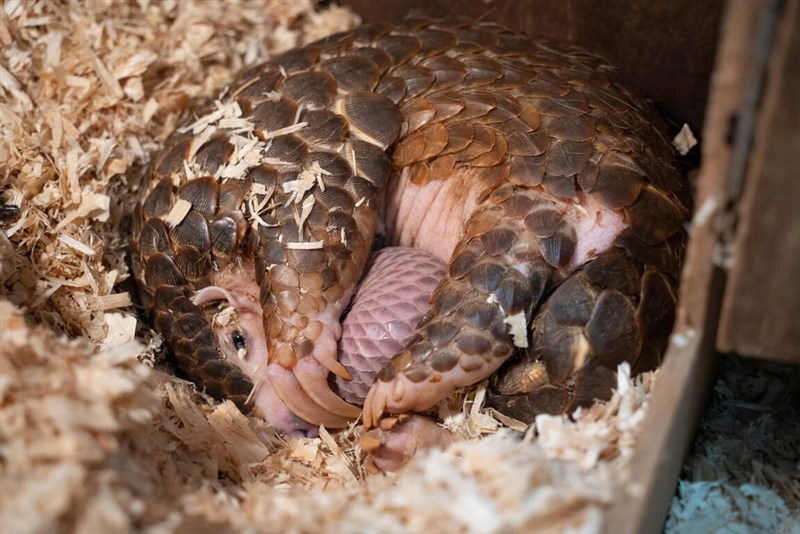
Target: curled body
[[547, 188]]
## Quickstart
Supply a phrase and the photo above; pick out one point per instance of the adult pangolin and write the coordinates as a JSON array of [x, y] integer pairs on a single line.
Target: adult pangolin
[[547, 187]]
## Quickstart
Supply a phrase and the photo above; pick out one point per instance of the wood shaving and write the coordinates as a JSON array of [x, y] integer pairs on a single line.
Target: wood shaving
[[94, 436], [744, 473]]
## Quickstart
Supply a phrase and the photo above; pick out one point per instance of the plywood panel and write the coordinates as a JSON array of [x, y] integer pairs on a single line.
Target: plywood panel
[[686, 375], [761, 314]]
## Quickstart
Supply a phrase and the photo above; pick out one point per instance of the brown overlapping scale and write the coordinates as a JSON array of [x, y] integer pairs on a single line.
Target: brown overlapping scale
[[459, 136], [649, 359], [557, 250], [335, 43], [373, 116], [594, 382], [585, 77], [515, 76], [224, 235], [619, 181], [334, 197], [415, 79], [265, 176], [610, 123], [506, 108], [543, 220], [656, 311], [288, 149], [420, 145], [314, 89], [661, 257], [654, 217], [448, 104], [476, 104], [370, 33], [447, 71], [193, 263], [612, 331], [213, 154], [353, 73], [560, 347], [575, 128], [575, 302], [587, 177], [192, 231], [435, 41], [202, 194], [560, 186], [527, 374], [158, 201], [511, 45], [337, 169], [614, 269], [498, 241], [527, 170], [493, 157], [525, 406], [444, 360], [171, 160], [323, 128], [272, 115], [417, 113], [381, 59], [483, 140], [442, 167], [392, 87], [604, 98], [364, 190], [372, 163], [513, 292], [530, 115], [160, 270], [481, 71], [522, 143], [401, 48], [298, 59], [566, 158], [231, 197], [256, 86], [472, 39], [546, 86], [413, 23]]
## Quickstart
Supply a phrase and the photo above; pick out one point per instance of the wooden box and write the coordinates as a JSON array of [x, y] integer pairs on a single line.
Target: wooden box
[[727, 69]]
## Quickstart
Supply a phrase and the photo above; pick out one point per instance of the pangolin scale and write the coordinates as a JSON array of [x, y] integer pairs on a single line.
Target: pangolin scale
[[550, 190]]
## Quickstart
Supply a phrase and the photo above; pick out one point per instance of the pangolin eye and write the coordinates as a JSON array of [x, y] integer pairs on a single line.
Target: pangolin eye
[[238, 340]]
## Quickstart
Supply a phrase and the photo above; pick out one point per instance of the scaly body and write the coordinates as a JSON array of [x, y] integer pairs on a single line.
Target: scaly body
[[548, 188]]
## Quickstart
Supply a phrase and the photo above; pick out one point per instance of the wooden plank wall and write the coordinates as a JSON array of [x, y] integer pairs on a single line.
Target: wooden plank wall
[[761, 312]]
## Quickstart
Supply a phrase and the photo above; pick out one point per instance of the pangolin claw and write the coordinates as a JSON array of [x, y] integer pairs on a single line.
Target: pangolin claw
[[314, 380], [288, 388]]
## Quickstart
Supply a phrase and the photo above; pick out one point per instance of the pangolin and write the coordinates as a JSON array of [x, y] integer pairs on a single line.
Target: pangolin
[[548, 189]]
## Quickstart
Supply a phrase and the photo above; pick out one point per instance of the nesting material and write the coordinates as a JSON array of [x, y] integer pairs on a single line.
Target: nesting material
[[93, 435], [744, 473]]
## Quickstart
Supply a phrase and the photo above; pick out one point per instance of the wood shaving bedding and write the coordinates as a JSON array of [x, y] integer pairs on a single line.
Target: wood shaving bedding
[[744, 473], [92, 437]]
